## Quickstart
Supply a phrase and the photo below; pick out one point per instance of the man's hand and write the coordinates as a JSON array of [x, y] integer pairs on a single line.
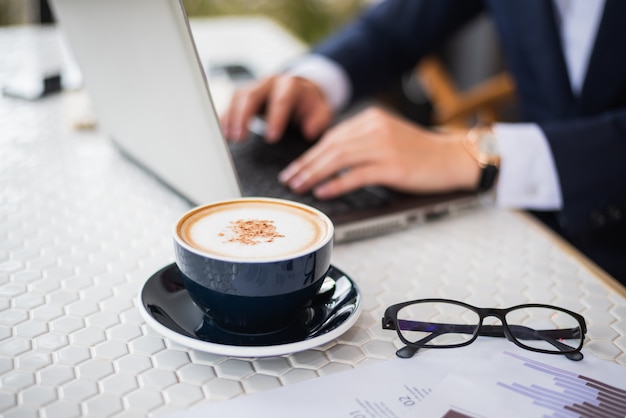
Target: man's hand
[[281, 98], [377, 148]]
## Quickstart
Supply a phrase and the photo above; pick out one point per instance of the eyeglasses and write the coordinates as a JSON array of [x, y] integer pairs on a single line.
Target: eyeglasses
[[443, 323]]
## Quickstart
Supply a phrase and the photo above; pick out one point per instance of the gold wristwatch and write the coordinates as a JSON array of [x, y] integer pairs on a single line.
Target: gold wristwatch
[[482, 144]]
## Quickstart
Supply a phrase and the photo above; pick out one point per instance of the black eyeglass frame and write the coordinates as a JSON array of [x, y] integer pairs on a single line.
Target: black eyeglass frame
[[390, 321]]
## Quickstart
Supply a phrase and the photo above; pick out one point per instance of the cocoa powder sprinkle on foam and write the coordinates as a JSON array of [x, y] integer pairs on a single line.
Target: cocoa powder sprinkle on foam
[[252, 231]]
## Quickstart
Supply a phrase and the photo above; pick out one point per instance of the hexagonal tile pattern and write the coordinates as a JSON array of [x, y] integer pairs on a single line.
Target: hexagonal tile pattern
[[111, 349], [259, 382], [79, 390], [183, 395], [274, 366], [220, 389], [95, 369], [235, 369], [7, 401], [81, 229], [119, 384], [196, 373], [312, 359], [55, 375], [133, 363], [33, 360], [170, 359], [144, 400], [297, 375], [157, 379], [37, 396], [62, 408], [104, 405]]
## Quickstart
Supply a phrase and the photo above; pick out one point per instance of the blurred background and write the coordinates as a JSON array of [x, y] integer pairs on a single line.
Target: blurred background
[[457, 88], [308, 20]]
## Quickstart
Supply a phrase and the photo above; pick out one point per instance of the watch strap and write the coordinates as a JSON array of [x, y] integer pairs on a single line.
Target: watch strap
[[488, 176]]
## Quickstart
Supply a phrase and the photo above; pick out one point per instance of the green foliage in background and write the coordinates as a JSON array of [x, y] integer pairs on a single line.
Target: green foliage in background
[[4, 12], [309, 20], [12, 12]]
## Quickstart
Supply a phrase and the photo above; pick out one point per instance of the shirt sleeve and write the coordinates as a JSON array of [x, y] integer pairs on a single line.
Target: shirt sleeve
[[528, 178], [328, 75]]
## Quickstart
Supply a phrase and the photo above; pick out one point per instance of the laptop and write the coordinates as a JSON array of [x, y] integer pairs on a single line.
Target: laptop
[[150, 93]]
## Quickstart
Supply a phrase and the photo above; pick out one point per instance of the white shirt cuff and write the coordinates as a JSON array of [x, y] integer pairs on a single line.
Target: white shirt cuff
[[328, 75], [528, 178]]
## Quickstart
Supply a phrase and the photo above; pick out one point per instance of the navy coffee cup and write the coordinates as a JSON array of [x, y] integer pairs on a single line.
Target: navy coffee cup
[[253, 264]]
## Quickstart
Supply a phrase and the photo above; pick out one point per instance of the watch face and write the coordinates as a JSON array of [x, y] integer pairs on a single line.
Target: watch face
[[488, 144], [483, 145]]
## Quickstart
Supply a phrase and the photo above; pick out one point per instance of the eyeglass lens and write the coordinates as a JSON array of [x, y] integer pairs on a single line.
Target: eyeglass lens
[[448, 324], [437, 323]]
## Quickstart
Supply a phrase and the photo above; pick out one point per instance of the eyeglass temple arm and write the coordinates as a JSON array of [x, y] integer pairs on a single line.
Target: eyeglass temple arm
[[409, 350], [551, 336]]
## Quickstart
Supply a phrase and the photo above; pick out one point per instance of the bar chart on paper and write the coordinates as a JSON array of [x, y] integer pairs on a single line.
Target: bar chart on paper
[[566, 393], [516, 383]]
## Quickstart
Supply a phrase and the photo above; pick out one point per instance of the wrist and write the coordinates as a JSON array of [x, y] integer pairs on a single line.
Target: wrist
[[462, 170]]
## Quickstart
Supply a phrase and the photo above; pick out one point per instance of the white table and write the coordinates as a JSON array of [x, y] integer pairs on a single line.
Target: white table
[[81, 229]]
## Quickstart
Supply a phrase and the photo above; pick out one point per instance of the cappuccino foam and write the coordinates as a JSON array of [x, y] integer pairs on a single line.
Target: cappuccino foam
[[253, 230]]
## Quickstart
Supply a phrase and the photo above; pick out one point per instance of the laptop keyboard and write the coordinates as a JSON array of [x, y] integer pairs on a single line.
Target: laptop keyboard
[[259, 163]]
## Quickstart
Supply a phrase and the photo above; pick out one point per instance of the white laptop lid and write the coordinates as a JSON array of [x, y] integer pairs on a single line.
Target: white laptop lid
[[163, 119]]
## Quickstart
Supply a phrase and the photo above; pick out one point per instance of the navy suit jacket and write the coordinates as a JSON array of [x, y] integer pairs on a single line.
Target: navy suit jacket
[[586, 133]]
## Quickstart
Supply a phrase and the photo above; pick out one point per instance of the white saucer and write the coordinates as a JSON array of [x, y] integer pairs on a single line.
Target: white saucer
[[166, 306]]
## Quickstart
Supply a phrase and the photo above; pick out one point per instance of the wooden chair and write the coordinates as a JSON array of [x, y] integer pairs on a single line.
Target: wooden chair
[[482, 103]]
